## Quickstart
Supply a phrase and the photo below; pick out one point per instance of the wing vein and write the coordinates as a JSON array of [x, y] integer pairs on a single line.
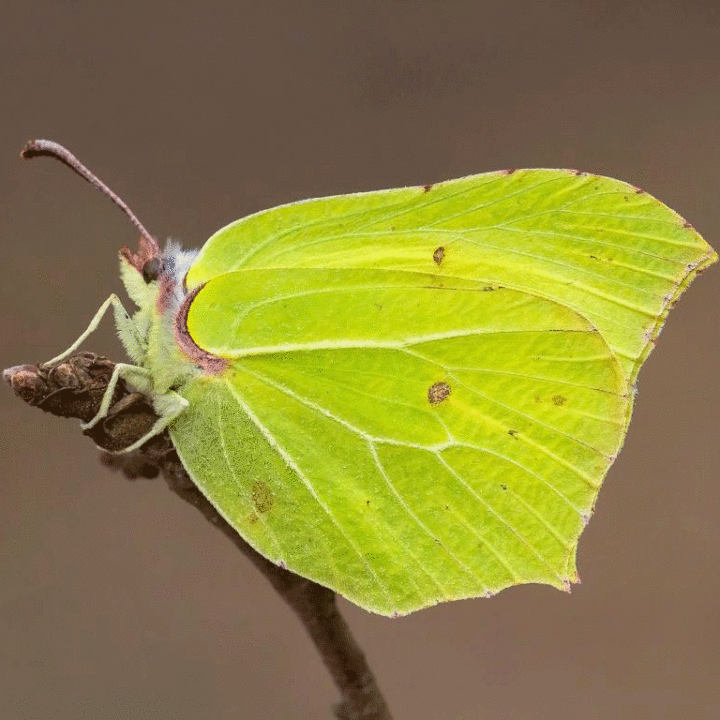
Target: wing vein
[[273, 442], [241, 488]]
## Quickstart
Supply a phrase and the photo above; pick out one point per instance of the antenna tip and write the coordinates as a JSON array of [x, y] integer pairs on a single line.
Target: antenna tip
[[29, 150], [35, 148]]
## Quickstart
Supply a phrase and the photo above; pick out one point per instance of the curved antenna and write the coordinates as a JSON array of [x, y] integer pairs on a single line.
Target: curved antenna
[[48, 148]]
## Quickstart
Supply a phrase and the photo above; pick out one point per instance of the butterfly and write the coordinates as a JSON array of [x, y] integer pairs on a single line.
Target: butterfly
[[409, 396]]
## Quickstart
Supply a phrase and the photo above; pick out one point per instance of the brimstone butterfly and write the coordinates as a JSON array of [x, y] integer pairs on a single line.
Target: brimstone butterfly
[[409, 396]]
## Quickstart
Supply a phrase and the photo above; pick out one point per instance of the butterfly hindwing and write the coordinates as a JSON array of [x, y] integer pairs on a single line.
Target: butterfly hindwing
[[401, 439]]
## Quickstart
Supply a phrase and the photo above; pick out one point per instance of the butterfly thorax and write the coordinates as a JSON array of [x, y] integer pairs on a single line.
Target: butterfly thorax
[[150, 337]]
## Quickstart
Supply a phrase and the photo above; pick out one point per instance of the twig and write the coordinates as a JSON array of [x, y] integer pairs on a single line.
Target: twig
[[75, 389]]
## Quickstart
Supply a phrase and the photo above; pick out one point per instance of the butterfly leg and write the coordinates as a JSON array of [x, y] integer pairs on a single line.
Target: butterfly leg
[[123, 322], [138, 377], [167, 405]]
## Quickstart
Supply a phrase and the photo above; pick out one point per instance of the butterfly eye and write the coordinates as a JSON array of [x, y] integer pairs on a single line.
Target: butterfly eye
[[152, 269]]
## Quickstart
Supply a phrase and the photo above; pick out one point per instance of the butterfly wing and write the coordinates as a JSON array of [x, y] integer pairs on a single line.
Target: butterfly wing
[[426, 386], [401, 438], [602, 247]]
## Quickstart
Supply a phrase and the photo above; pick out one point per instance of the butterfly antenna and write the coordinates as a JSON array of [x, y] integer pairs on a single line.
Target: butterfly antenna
[[48, 148]]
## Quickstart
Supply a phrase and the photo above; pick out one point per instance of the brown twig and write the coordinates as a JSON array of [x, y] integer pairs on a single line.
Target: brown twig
[[75, 388]]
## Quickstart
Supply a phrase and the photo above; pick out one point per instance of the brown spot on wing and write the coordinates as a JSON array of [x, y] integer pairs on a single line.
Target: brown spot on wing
[[427, 188], [262, 497], [559, 400], [438, 255], [438, 392]]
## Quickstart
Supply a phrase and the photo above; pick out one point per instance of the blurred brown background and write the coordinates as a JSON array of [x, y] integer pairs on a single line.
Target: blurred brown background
[[116, 599]]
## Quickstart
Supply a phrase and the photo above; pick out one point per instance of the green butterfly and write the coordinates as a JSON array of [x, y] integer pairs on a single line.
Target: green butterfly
[[409, 396]]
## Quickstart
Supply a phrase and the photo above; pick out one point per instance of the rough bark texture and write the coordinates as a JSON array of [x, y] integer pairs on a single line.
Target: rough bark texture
[[75, 388]]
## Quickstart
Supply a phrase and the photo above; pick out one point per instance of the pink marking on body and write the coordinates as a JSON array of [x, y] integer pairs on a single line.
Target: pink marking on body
[[166, 288], [147, 250]]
